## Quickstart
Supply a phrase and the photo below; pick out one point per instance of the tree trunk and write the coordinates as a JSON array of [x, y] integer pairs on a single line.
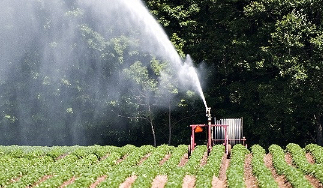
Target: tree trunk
[[153, 132], [152, 125], [169, 124], [319, 136]]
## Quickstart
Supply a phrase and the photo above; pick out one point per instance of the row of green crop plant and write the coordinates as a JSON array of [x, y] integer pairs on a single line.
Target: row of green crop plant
[[125, 169], [294, 175], [134, 165], [23, 166], [176, 176], [14, 170], [55, 152], [316, 151], [263, 174], [235, 172], [299, 159], [56, 168], [211, 168], [150, 168], [84, 165], [87, 170], [102, 167]]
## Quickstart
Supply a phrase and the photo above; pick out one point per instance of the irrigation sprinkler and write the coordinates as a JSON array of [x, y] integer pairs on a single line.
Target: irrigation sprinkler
[[225, 131]]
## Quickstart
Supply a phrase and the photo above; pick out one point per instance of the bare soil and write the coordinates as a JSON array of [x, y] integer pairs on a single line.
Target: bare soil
[[289, 159], [183, 160], [220, 182], [167, 156], [314, 181], [250, 180], [280, 179], [159, 181], [127, 183], [144, 158], [204, 159], [61, 156], [44, 178], [189, 181], [70, 181], [310, 158], [121, 159], [104, 157], [98, 181]]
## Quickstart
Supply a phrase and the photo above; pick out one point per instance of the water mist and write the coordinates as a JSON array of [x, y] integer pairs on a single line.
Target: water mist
[[61, 66]]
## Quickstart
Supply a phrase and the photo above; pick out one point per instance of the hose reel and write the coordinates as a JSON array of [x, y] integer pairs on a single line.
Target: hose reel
[[234, 131]]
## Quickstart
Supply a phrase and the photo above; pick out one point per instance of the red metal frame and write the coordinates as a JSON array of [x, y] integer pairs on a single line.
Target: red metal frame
[[209, 137]]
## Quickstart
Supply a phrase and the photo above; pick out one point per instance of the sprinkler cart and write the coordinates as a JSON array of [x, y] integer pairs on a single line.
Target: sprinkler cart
[[225, 131]]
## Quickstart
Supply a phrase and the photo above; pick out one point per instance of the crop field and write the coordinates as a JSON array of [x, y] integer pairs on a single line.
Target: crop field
[[162, 166]]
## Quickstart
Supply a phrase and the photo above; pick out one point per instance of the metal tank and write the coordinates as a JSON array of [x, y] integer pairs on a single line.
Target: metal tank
[[234, 131]]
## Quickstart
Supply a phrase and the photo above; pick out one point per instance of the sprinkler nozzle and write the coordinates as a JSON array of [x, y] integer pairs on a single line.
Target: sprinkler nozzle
[[208, 112]]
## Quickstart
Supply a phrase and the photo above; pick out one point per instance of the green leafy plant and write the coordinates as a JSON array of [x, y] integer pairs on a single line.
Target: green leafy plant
[[259, 169], [212, 167], [299, 159], [235, 172], [293, 175]]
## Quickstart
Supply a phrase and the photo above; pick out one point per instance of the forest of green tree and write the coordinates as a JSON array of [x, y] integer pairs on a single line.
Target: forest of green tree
[[261, 60], [264, 60]]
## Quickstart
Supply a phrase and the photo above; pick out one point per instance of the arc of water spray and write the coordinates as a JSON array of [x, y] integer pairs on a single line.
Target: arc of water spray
[[152, 29], [198, 86], [153, 38], [189, 74]]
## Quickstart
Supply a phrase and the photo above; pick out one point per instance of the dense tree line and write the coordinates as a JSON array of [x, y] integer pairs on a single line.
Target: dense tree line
[[263, 61]]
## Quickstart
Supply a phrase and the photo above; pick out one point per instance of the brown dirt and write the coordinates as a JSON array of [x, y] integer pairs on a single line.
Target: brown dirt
[[183, 160], [128, 182], [310, 158], [314, 182], [98, 181], [159, 181], [121, 159], [44, 178], [289, 159], [189, 181], [16, 179], [167, 156], [204, 159], [144, 158], [70, 181], [280, 179], [220, 182], [104, 157], [250, 180], [61, 156]]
